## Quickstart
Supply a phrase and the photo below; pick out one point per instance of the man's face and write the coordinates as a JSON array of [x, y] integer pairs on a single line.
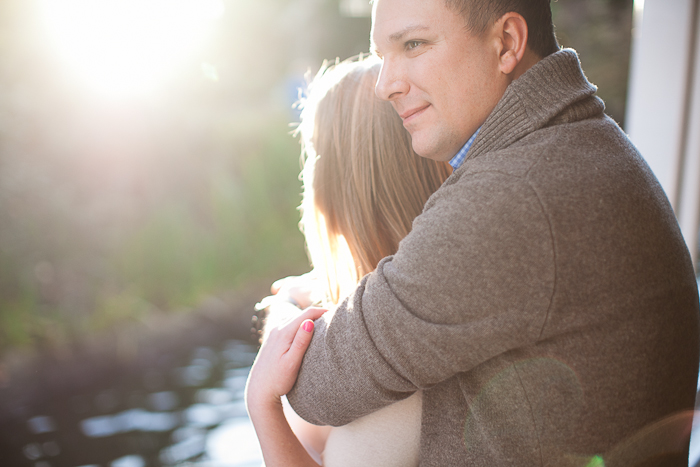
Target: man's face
[[442, 80]]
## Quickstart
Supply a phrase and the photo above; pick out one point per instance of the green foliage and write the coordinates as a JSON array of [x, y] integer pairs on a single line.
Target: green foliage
[[16, 322], [230, 220], [242, 230]]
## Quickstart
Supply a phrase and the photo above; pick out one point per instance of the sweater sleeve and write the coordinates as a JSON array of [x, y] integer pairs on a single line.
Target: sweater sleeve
[[473, 279]]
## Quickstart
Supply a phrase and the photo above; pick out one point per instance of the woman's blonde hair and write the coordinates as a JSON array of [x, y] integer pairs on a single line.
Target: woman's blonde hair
[[363, 184]]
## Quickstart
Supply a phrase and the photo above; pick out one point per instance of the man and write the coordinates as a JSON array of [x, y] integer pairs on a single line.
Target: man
[[544, 301]]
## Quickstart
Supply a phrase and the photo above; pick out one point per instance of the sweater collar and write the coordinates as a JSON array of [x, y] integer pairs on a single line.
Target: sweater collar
[[554, 90]]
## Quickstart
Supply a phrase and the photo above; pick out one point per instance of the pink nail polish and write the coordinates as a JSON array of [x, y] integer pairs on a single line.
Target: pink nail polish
[[308, 326]]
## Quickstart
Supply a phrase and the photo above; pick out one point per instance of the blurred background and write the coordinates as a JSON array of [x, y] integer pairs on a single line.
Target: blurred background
[[149, 186], [146, 161]]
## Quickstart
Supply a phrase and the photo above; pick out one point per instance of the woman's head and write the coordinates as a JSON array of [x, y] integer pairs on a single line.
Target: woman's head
[[363, 184]]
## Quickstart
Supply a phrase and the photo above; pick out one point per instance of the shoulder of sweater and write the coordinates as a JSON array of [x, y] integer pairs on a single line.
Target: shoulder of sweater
[[596, 137], [584, 155]]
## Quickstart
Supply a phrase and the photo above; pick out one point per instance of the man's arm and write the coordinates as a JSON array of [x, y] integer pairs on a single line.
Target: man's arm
[[472, 280]]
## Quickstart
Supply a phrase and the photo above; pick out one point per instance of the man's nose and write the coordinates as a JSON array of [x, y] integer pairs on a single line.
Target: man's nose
[[390, 84]]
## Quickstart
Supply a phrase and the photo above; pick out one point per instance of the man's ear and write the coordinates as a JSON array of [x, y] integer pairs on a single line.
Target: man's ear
[[513, 35]]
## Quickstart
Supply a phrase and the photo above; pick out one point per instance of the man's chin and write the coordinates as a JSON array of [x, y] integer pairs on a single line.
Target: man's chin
[[430, 151]]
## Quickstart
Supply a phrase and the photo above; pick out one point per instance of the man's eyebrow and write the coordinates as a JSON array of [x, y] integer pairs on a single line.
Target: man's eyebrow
[[398, 36]]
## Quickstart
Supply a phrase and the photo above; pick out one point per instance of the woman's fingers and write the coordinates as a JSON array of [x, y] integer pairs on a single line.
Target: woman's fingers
[[296, 289], [312, 313], [277, 285], [281, 355], [302, 337], [287, 282], [301, 342], [294, 355], [288, 325]]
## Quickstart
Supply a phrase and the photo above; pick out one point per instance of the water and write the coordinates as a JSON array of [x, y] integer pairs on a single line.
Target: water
[[171, 407], [175, 410]]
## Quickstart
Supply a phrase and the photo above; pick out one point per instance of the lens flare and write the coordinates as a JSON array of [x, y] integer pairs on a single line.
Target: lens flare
[[596, 461], [122, 48]]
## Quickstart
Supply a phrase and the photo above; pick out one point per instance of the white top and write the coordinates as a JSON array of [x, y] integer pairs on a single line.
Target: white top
[[389, 437]]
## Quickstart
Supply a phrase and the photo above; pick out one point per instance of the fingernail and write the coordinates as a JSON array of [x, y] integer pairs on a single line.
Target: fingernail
[[308, 325]]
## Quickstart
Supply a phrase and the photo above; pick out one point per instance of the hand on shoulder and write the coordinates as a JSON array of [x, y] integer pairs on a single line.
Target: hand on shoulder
[[276, 367]]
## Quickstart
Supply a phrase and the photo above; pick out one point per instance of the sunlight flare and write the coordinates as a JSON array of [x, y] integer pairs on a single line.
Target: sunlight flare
[[123, 48]]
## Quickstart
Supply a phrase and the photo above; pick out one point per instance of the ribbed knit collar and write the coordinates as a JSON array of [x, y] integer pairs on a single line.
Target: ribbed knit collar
[[554, 90]]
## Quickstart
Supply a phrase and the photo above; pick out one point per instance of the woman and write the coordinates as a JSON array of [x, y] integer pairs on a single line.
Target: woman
[[363, 186]]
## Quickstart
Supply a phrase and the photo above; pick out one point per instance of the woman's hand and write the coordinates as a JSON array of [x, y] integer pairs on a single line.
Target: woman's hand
[[299, 290], [273, 375], [277, 364]]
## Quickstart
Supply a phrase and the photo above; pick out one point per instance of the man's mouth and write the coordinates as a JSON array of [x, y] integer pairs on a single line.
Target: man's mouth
[[410, 114]]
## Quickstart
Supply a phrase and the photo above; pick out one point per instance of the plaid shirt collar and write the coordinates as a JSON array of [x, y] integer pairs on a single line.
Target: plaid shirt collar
[[457, 160]]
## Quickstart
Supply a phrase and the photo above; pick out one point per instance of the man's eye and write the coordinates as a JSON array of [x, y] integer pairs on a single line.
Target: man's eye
[[412, 44]]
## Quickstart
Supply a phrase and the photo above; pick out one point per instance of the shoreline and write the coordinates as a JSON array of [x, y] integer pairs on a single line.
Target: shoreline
[[29, 378]]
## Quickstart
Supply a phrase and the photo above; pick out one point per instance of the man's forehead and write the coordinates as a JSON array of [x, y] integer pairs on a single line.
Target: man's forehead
[[393, 19]]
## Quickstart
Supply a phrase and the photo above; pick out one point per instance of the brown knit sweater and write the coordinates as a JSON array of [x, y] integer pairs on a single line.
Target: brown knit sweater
[[544, 300]]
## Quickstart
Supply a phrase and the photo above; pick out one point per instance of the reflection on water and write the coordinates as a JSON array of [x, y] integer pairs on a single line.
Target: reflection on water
[[172, 410], [190, 412]]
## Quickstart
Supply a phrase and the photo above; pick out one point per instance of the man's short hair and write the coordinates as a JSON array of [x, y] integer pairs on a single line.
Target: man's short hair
[[480, 14]]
